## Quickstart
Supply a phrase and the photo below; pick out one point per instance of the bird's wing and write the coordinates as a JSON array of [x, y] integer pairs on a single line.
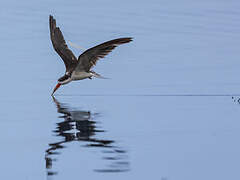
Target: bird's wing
[[60, 45], [89, 58]]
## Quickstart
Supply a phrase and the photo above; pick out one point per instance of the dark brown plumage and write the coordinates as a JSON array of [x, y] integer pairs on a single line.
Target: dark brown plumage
[[60, 46], [89, 58]]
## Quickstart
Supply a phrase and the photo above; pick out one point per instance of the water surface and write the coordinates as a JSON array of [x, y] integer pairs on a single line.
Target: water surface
[[166, 112]]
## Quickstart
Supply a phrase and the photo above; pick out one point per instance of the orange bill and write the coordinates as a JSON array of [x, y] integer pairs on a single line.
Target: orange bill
[[57, 86]]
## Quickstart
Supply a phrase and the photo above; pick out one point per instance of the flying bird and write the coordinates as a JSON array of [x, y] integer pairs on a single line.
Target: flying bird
[[79, 69]]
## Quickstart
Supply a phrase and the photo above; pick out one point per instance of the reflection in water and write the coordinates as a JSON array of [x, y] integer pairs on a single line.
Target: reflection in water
[[79, 125], [236, 99]]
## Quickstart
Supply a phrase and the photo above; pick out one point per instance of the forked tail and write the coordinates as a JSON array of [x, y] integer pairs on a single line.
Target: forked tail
[[96, 75]]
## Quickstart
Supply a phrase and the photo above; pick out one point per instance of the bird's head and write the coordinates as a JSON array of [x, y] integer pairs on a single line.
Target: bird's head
[[62, 80]]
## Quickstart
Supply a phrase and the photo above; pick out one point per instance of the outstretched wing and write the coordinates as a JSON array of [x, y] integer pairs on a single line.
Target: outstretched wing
[[89, 58], [60, 45]]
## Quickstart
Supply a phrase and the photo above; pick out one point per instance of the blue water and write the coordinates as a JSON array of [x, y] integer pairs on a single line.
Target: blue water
[[168, 111]]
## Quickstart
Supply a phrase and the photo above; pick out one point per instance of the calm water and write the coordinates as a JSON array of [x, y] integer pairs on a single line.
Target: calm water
[[169, 111]]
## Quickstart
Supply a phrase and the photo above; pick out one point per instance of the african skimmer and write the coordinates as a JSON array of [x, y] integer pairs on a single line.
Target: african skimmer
[[79, 69]]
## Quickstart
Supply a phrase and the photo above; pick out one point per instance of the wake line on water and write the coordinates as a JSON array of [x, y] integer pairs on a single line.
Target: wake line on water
[[155, 95]]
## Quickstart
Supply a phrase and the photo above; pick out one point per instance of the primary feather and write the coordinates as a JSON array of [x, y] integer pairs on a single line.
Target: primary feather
[[60, 45], [89, 58]]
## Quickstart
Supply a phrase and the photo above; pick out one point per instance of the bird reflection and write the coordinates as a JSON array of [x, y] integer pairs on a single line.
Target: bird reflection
[[79, 125]]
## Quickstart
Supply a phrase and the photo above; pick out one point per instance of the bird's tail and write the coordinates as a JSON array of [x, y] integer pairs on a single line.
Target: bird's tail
[[96, 75]]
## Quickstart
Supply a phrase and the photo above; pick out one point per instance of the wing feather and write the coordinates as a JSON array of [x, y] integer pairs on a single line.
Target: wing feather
[[60, 46], [89, 58]]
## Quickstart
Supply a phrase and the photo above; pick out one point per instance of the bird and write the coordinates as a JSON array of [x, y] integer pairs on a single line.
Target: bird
[[79, 69]]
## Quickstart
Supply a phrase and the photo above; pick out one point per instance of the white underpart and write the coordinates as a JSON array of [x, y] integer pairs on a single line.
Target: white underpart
[[80, 75]]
